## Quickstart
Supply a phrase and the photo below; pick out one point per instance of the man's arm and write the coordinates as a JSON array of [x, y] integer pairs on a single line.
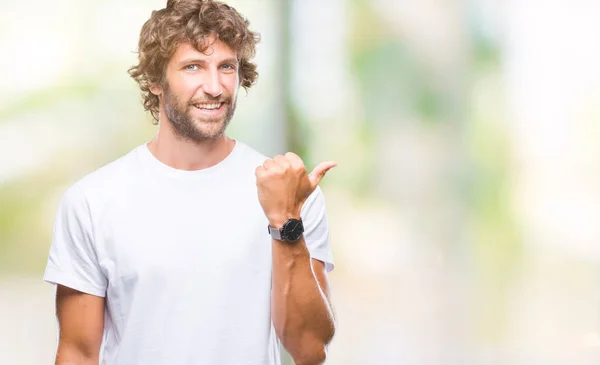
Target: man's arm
[[81, 324], [300, 304]]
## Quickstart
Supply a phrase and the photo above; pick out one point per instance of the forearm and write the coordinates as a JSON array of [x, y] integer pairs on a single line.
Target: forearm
[[301, 312]]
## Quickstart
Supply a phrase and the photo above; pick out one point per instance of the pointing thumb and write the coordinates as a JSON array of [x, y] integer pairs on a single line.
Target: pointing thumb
[[319, 172]]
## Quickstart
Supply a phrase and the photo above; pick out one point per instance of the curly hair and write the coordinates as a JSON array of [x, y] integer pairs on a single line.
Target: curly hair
[[190, 21]]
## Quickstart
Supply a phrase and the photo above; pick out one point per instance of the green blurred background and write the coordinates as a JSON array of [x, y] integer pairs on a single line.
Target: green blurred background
[[465, 208]]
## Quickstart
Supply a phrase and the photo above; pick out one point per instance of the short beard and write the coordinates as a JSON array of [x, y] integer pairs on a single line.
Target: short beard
[[183, 123]]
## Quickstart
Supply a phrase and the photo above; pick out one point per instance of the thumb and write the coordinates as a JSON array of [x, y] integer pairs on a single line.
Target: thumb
[[317, 174]]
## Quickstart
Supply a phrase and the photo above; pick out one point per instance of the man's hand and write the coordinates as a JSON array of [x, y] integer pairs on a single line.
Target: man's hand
[[284, 185]]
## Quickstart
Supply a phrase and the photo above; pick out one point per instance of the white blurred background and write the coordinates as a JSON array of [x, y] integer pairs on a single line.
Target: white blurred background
[[465, 208]]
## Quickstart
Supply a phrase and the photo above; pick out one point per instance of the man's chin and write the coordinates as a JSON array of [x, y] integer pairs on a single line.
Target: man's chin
[[207, 130]]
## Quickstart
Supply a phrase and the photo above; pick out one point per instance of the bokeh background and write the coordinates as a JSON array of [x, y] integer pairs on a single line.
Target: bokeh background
[[465, 209]]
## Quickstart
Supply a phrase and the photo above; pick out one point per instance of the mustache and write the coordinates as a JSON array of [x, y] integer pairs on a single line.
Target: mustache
[[226, 100]]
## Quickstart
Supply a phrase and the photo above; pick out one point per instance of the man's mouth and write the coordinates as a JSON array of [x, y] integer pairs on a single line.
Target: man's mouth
[[208, 106]]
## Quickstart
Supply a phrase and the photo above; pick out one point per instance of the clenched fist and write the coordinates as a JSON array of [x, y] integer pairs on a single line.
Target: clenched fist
[[284, 185]]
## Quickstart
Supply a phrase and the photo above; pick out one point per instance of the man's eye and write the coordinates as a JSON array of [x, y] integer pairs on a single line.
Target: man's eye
[[228, 67], [191, 67]]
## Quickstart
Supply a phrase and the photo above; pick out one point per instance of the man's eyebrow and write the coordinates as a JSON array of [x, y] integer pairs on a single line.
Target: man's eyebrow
[[191, 60], [203, 62], [230, 60]]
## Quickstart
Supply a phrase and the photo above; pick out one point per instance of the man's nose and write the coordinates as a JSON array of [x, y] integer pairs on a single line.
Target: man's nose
[[212, 85]]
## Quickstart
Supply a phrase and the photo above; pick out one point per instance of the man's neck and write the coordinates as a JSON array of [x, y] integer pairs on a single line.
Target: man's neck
[[183, 154]]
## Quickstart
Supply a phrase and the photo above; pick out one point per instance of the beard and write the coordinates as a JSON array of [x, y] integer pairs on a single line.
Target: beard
[[195, 128]]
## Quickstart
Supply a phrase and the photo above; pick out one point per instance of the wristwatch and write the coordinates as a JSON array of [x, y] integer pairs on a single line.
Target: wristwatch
[[291, 231]]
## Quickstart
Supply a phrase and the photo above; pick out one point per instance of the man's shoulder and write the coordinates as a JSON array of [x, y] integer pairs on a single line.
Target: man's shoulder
[[115, 172], [251, 155]]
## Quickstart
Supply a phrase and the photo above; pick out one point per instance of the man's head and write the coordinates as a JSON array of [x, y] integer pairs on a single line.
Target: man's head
[[193, 57]]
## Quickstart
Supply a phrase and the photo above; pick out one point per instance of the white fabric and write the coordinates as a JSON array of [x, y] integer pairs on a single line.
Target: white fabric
[[183, 258]]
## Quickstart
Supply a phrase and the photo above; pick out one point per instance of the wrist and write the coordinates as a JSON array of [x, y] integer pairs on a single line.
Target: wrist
[[277, 220]]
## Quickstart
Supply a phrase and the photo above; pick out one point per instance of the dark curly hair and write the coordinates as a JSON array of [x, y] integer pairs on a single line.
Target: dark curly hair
[[190, 21]]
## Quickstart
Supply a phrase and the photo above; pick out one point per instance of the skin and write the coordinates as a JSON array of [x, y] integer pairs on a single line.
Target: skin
[[81, 322], [193, 139], [301, 303]]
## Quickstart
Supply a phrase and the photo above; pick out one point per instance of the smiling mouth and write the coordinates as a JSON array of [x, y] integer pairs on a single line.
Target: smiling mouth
[[208, 106]]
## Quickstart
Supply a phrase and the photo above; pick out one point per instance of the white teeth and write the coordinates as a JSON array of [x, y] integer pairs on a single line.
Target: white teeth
[[208, 106]]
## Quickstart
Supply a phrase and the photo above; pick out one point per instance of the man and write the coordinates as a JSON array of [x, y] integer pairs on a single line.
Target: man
[[193, 248]]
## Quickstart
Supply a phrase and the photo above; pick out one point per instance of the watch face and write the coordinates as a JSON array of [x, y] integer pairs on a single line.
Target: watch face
[[292, 230]]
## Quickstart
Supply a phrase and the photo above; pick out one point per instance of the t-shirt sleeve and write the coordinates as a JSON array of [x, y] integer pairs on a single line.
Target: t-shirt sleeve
[[72, 261], [316, 228]]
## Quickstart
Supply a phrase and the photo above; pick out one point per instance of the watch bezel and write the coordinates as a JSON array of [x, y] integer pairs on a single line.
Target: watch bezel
[[292, 230]]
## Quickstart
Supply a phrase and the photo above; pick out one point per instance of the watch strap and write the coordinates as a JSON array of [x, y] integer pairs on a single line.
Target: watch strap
[[275, 233]]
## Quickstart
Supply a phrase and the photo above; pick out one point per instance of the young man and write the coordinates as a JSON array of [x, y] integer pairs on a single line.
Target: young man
[[193, 248]]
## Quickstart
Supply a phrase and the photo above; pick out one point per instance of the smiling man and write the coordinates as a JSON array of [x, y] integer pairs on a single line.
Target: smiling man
[[193, 248]]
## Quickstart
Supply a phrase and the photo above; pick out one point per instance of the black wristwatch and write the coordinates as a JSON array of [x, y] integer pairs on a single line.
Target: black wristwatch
[[291, 231]]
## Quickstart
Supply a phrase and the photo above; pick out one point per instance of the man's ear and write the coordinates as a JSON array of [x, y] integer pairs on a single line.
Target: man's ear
[[156, 90]]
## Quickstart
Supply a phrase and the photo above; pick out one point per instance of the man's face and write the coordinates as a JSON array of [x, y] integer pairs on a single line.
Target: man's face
[[200, 92]]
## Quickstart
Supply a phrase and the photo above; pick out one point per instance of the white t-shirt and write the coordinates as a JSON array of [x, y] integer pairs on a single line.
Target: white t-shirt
[[182, 257]]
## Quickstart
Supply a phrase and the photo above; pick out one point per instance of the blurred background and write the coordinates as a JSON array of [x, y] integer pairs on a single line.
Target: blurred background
[[465, 208]]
